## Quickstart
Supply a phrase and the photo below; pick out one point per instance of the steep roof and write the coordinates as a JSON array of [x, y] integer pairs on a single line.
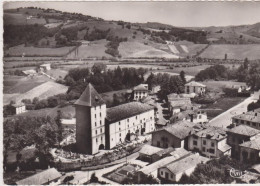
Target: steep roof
[[90, 97], [195, 84], [186, 163], [180, 103], [126, 110], [244, 130], [40, 178], [253, 144]]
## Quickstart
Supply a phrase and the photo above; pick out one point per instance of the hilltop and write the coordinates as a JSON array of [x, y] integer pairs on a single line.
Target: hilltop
[[78, 36]]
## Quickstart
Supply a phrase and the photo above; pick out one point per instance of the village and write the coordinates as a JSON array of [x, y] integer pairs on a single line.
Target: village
[[93, 101]]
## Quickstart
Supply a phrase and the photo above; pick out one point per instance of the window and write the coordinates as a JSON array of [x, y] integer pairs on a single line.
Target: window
[[212, 151], [119, 122], [195, 137], [101, 130], [127, 120], [171, 175], [200, 117], [203, 149], [127, 126], [96, 140], [100, 122], [194, 89], [119, 129], [95, 123], [204, 142], [100, 106], [95, 116], [120, 134], [100, 114], [101, 138], [212, 144], [161, 172], [195, 142], [96, 131], [135, 117], [242, 122]]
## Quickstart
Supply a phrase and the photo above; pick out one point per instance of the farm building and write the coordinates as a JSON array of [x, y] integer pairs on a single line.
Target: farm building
[[173, 172], [140, 92], [98, 127], [45, 67], [195, 116], [238, 135], [211, 142], [45, 177], [195, 87], [18, 108], [251, 118], [30, 72], [152, 169], [175, 106]]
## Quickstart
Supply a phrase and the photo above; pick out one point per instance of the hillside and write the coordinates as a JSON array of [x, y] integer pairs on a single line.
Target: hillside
[[35, 32]]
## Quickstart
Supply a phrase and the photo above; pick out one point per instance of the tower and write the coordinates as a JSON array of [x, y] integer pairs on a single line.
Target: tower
[[90, 121]]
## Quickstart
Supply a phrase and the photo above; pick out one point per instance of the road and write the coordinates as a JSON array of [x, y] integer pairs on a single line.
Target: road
[[81, 177], [225, 119]]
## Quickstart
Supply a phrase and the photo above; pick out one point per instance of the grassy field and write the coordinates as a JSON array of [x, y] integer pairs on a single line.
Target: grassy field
[[95, 49], [41, 91], [221, 106], [33, 51], [21, 84], [138, 49], [232, 51], [20, 19]]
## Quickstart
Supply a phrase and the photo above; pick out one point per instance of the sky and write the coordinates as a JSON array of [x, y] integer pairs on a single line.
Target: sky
[[183, 14]]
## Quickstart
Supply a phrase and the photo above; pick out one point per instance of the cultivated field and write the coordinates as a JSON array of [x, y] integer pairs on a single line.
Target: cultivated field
[[33, 51], [137, 49], [232, 51], [42, 91]]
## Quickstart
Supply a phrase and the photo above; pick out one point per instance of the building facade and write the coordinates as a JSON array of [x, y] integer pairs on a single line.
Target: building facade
[[140, 92], [18, 108], [98, 127], [251, 118], [250, 151], [195, 87]]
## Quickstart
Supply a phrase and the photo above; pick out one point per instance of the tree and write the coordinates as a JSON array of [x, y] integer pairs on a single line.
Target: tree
[[182, 75], [246, 64], [225, 57], [59, 124]]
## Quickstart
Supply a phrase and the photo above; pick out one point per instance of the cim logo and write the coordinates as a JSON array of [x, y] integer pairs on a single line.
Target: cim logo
[[235, 173]]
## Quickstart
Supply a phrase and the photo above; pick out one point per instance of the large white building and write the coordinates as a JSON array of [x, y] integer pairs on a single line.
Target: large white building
[[98, 127]]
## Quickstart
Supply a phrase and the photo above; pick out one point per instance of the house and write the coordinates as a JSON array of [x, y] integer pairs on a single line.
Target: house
[[251, 118], [140, 92], [152, 169], [210, 142], [239, 135], [250, 151], [176, 105], [98, 127], [18, 108], [30, 72], [172, 172], [45, 177], [147, 151], [195, 87], [175, 135], [195, 116], [240, 87], [45, 67]]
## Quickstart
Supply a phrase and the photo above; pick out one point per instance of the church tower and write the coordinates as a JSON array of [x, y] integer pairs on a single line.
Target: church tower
[[90, 121]]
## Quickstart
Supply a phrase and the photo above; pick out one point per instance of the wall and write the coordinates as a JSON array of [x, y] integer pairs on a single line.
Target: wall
[[139, 94], [248, 123], [252, 155], [198, 90], [234, 140], [172, 140]]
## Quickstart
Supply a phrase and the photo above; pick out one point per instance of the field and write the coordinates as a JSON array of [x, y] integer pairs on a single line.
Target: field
[[42, 91], [20, 19], [21, 84], [94, 49], [33, 51], [137, 49], [232, 51], [217, 86]]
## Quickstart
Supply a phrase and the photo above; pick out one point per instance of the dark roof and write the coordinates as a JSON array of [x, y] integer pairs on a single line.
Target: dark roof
[[90, 97], [40, 178], [126, 110], [244, 130], [182, 129], [253, 144], [216, 133], [252, 116]]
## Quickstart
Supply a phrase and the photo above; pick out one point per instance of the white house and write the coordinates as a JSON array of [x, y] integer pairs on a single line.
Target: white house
[[195, 87], [140, 92], [45, 67]]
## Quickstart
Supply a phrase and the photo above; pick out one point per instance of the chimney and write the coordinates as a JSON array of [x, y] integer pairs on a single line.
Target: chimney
[[96, 98]]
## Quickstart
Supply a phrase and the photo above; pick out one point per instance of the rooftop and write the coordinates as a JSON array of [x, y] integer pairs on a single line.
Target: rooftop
[[40, 178], [224, 148], [195, 84], [216, 133], [186, 163], [143, 87], [177, 154], [18, 104], [253, 144], [180, 103], [252, 116], [182, 129], [149, 150], [90, 97], [244, 130], [126, 110]]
